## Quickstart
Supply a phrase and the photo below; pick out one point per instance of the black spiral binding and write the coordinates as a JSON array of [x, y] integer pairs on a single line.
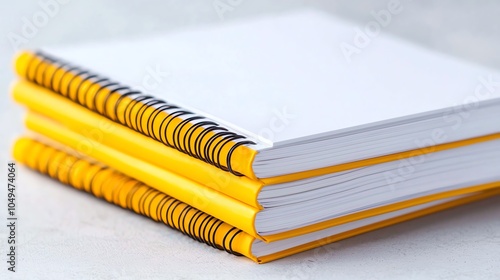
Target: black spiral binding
[[64, 168], [210, 153]]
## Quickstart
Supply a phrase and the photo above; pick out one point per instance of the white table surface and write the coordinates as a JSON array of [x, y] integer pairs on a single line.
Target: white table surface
[[65, 234]]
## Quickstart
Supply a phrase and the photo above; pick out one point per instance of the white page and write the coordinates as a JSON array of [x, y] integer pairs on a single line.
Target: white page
[[242, 72]]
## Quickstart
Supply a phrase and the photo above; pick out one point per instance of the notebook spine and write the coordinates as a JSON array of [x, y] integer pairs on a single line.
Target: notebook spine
[[192, 134], [128, 193]]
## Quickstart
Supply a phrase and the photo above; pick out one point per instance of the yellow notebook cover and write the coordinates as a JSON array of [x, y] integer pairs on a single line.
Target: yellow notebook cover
[[211, 144], [119, 189], [102, 130], [206, 199], [168, 129]]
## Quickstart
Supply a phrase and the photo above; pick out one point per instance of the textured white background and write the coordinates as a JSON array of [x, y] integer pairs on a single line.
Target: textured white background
[[65, 234]]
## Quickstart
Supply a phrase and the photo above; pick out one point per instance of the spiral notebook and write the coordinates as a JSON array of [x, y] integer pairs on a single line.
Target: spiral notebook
[[461, 171], [356, 134], [276, 97], [105, 183]]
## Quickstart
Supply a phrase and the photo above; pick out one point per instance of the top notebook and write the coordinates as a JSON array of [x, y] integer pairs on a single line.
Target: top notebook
[[272, 96]]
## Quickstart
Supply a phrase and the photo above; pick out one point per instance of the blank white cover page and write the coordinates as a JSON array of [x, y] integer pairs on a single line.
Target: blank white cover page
[[288, 75]]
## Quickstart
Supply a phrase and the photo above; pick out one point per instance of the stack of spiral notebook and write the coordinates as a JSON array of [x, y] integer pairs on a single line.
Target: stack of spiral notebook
[[264, 137]]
